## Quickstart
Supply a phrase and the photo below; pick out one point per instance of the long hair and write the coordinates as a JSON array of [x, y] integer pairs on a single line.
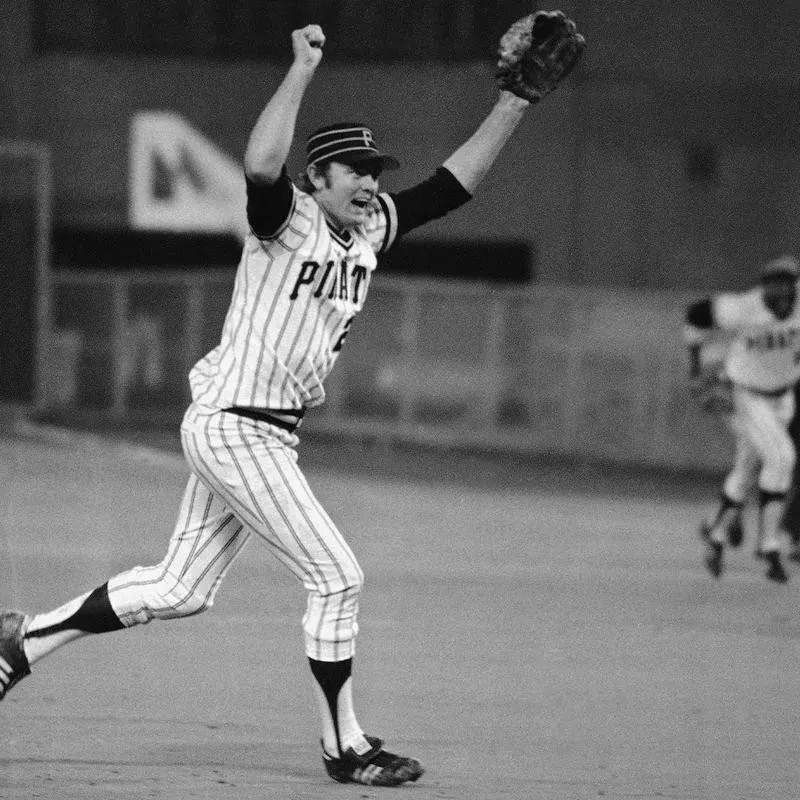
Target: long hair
[[304, 182]]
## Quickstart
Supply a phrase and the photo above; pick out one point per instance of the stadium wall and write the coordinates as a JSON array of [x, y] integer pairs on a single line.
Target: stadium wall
[[554, 370], [667, 161]]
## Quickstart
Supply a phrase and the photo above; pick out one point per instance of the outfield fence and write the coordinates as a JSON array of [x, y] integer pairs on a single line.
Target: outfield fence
[[547, 369]]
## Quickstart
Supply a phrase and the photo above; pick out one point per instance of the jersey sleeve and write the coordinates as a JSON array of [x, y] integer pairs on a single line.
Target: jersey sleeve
[[429, 200], [732, 310], [381, 228], [400, 212], [269, 206]]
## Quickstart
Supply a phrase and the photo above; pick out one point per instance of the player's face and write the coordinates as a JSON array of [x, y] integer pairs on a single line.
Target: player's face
[[779, 295], [346, 192]]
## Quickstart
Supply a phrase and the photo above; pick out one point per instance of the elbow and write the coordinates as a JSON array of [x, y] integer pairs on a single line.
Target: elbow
[[261, 175], [465, 174], [262, 169]]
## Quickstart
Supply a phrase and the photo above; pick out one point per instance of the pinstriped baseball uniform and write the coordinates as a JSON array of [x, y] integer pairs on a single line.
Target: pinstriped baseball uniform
[[299, 284], [763, 362], [295, 296]]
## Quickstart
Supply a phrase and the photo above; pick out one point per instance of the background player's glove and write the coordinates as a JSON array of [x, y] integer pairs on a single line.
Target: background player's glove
[[536, 53], [713, 392]]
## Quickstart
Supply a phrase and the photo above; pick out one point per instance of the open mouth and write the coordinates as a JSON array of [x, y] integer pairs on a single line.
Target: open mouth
[[362, 203]]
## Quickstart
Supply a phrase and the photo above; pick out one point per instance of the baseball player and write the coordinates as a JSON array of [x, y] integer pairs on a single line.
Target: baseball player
[[303, 276], [791, 515], [763, 366]]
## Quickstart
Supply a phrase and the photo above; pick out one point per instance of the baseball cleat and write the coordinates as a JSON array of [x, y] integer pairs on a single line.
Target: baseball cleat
[[713, 558], [776, 572], [13, 661], [376, 767]]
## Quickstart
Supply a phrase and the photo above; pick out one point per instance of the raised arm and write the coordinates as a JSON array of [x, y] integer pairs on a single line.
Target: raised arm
[[271, 138], [536, 53], [470, 163]]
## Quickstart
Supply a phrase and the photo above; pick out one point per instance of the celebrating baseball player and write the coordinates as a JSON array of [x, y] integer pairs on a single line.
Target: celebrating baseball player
[[762, 366], [303, 276]]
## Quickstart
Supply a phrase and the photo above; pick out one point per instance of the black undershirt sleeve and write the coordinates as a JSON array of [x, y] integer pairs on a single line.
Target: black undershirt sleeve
[[698, 315], [269, 205], [431, 199], [701, 314]]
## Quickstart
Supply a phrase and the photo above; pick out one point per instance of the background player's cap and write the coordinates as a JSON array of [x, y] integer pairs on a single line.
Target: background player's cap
[[348, 142], [784, 265]]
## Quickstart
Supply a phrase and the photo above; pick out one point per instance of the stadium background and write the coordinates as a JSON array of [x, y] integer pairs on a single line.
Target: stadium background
[[550, 318]]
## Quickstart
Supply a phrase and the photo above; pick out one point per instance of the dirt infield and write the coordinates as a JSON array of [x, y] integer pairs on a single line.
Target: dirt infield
[[526, 638]]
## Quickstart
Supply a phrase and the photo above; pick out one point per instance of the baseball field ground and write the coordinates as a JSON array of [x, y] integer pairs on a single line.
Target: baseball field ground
[[528, 632]]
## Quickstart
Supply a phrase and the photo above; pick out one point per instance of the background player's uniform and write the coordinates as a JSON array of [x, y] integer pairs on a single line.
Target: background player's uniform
[[763, 363], [299, 285]]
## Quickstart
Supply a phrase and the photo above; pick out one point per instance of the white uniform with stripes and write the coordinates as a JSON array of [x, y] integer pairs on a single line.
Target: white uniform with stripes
[[295, 296], [763, 362]]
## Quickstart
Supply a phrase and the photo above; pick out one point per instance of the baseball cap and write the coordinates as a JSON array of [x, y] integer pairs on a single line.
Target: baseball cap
[[782, 265], [348, 142]]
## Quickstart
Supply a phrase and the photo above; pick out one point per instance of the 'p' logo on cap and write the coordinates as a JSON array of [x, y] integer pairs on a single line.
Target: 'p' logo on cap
[[348, 142]]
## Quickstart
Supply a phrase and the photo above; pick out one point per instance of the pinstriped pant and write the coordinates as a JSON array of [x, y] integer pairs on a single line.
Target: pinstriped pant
[[245, 480], [764, 448]]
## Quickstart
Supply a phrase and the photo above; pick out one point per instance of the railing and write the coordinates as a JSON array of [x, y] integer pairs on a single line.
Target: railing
[[548, 369]]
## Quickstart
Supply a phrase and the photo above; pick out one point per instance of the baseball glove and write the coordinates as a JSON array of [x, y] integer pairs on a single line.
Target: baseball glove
[[536, 53], [713, 392]]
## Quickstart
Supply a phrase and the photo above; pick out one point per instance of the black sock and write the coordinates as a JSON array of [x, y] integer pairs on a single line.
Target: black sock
[[331, 676], [95, 615]]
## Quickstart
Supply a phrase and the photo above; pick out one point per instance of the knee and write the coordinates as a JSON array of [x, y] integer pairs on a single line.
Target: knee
[[356, 583], [190, 602], [776, 474], [346, 579], [164, 597], [181, 598]]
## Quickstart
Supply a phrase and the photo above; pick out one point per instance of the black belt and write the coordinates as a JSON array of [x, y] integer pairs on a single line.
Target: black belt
[[286, 419]]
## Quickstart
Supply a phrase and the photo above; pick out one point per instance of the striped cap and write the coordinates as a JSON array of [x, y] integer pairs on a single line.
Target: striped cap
[[782, 265], [348, 142]]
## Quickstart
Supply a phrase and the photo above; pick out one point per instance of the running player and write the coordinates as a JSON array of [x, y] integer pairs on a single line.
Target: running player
[[791, 515], [763, 363], [304, 273]]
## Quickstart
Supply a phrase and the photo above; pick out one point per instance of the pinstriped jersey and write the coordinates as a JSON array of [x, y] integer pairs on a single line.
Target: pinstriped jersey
[[295, 296], [765, 351]]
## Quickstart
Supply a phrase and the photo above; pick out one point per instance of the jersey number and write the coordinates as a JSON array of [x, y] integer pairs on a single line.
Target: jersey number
[[340, 341]]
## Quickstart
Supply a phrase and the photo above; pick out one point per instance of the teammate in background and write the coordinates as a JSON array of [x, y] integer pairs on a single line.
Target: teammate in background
[[791, 515], [304, 273], [763, 364]]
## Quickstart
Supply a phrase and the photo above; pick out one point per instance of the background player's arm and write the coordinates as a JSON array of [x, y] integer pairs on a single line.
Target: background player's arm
[[699, 324], [271, 138], [708, 382]]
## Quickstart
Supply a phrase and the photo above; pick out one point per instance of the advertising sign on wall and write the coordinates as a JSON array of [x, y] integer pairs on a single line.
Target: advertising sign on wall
[[180, 181]]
